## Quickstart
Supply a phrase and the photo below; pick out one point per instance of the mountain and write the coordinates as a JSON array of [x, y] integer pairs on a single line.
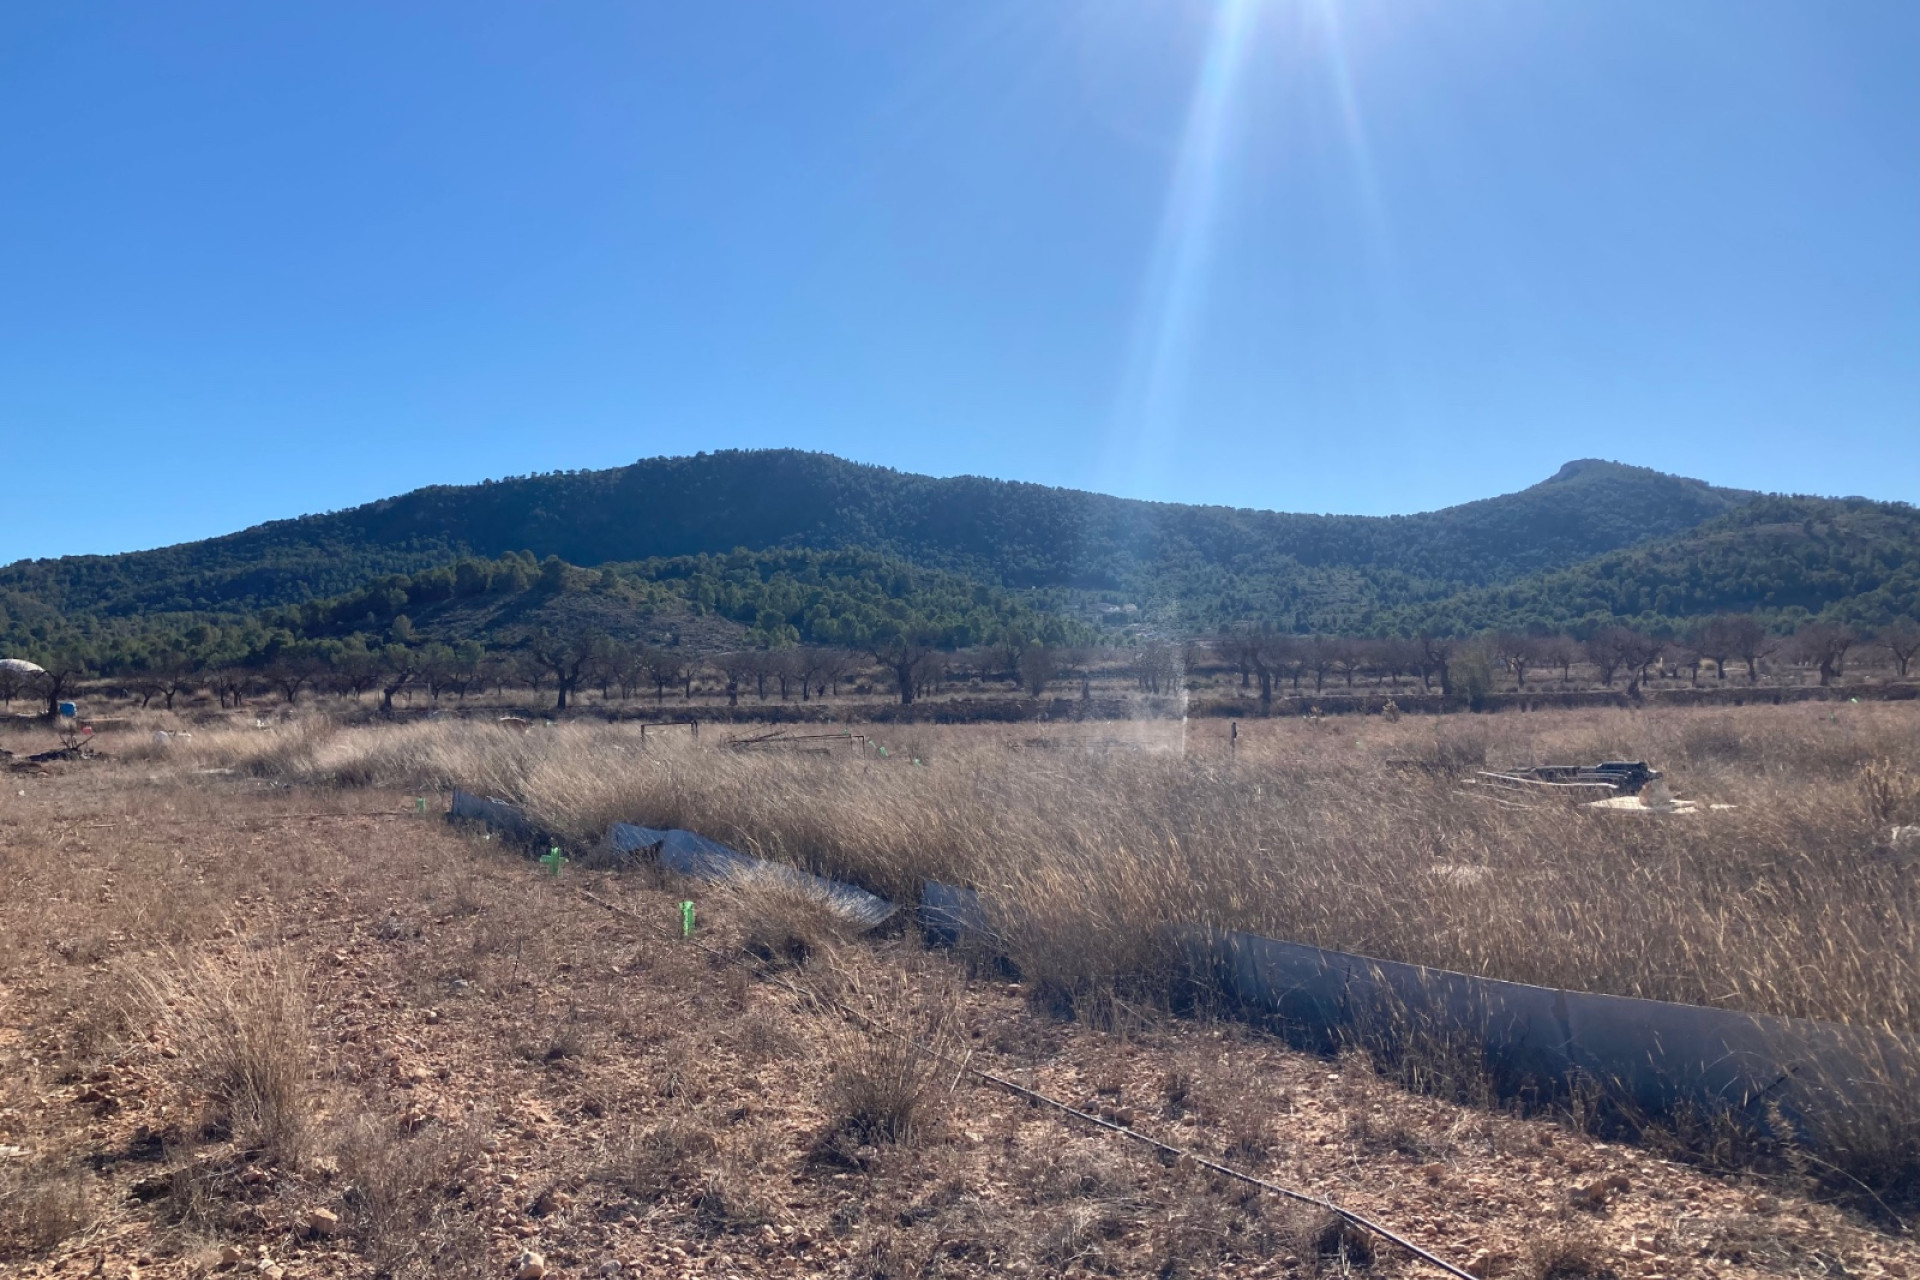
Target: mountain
[[772, 547], [1198, 563]]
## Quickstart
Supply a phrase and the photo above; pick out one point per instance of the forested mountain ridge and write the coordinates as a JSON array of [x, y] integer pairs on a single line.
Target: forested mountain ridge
[[1845, 560], [1198, 562], [772, 549]]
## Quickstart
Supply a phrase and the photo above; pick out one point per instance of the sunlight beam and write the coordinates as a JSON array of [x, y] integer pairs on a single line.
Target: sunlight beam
[[1153, 385]]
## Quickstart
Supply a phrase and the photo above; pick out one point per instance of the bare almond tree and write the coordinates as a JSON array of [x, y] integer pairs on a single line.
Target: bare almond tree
[[1715, 640], [569, 657], [738, 667], [1560, 651], [910, 657], [1317, 655], [1517, 652], [1037, 669], [1238, 649], [1751, 642], [1825, 645], [1437, 653], [1901, 639], [1350, 655]]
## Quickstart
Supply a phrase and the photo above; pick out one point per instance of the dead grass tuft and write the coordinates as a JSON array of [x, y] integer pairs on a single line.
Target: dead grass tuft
[[1569, 1255], [880, 1089], [241, 1031], [728, 1202], [1890, 790], [783, 924], [42, 1203], [400, 1206], [1332, 1241], [651, 1163]]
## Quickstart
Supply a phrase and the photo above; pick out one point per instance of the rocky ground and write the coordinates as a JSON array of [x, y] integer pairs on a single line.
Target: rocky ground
[[286, 1032]]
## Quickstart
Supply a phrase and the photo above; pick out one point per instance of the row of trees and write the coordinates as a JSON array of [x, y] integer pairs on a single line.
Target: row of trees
[[913, 661], [1268, 656]]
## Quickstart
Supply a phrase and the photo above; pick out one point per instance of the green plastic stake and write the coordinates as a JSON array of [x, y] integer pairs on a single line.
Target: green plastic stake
[[419, 804], [686, 919], [554, 860]]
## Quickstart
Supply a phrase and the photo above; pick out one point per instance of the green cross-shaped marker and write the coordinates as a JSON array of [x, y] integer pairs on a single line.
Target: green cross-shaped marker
[[686, 919], [554, 860]]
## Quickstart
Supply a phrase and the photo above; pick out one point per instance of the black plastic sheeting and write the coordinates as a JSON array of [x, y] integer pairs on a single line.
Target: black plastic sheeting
[[502, 815], [950, 916], [1651, 1058], [691, 854], [1641, 1059]]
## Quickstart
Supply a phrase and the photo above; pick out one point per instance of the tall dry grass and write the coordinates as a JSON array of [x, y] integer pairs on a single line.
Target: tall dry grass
[[240, 1029], [1353, 834]]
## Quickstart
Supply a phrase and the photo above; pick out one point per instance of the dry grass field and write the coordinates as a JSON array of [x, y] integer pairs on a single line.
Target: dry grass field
[[1352, 833], [256, 1013]]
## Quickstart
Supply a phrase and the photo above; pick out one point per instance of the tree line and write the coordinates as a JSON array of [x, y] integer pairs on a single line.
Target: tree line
[[1468, 664]]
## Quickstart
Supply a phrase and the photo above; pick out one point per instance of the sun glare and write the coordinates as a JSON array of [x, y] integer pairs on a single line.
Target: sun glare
[[1174, 294]]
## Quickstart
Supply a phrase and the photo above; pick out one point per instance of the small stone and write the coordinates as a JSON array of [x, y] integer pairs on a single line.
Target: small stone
[[323, 1222], [229, 1255], [611, 1267], [529, 1266]]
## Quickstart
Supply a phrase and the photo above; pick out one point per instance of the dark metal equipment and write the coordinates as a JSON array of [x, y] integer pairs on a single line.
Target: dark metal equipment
[[1608, 778]]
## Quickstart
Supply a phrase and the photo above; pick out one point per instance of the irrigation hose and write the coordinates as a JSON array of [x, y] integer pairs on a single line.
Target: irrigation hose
[[966, 1067]]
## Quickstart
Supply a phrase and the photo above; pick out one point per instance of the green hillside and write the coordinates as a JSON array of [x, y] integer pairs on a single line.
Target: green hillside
[[778, 548], [1205, 564], [1786, 559], [767, 599]]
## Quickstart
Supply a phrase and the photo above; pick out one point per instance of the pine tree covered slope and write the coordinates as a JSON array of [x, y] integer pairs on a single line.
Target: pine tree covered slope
[[1844, 560], [1199, 562]]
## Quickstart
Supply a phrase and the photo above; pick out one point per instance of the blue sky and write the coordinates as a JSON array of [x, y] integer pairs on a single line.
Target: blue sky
[[1339, 255]]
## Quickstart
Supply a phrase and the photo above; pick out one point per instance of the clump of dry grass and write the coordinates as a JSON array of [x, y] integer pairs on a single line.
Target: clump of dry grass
[[781, 922], [729, 1201], [1568, 1255], [42, 1202], [880, 1089], [653, 1161], [1890, 791], [241, 1032], [399, 1199]]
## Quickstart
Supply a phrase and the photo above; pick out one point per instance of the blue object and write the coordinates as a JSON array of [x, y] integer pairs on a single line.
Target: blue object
[[68, 710]]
